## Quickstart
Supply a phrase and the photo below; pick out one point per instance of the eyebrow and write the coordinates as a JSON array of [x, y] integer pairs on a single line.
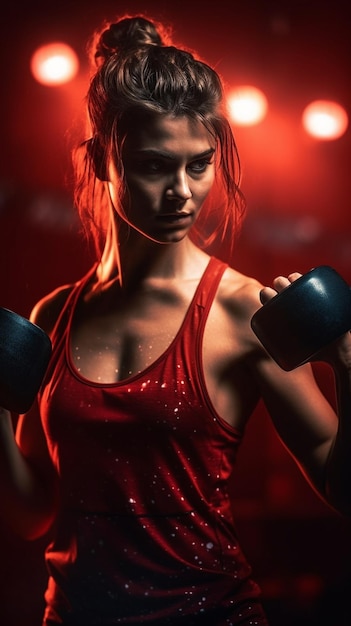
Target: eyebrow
[[170, 156]]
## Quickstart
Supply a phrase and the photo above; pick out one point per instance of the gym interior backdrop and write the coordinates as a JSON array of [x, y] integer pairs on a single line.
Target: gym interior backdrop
[[298, 194]]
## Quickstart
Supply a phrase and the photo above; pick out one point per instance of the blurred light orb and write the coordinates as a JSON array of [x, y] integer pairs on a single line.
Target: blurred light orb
[[247, 105], [54, 64], [325, 120]]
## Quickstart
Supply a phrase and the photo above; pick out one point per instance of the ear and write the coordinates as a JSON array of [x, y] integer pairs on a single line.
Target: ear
[[97, 156]]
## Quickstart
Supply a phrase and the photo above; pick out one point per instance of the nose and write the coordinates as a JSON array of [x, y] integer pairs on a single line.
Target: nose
[[179, 187]]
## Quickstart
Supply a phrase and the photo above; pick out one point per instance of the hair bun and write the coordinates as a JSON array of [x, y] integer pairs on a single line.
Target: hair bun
[[128, 33]]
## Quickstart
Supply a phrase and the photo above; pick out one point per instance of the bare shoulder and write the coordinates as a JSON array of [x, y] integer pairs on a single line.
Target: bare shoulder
[[239, 294], [46, 311], [237, 299]]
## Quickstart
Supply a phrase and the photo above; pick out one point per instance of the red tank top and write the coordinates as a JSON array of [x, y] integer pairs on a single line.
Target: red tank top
[[145, 532]]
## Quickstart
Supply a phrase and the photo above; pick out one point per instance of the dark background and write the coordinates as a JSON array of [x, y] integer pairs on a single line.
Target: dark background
[[298, 194]]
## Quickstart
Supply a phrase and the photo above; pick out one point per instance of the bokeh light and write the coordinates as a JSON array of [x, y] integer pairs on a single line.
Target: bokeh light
[[54, 64], [325, 120], [247, 105]]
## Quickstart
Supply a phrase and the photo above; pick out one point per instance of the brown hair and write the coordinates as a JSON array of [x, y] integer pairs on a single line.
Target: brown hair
[[138, 73]]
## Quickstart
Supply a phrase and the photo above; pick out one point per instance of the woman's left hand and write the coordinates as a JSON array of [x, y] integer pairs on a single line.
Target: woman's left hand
[[279, 283]]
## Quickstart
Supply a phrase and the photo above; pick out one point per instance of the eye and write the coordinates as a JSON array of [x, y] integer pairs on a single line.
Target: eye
[[145, 167], [200, 166], [152, 166]]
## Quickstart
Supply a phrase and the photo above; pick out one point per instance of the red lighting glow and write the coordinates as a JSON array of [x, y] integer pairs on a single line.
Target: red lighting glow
[[54, 64], [247, 105], [325, 120]]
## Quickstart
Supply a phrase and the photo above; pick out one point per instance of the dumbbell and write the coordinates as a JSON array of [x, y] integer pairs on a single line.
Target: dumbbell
[[304, 317], [25, 351]]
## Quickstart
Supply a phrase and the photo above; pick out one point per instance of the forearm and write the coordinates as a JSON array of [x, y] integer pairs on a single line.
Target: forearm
[[26, 502], [338, 474]]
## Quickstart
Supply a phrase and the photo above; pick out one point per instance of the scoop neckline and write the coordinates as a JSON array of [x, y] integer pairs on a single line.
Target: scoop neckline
[[138, 375]]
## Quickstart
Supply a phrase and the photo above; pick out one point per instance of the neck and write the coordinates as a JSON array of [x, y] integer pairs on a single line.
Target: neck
[[141, 258], [135, 259]]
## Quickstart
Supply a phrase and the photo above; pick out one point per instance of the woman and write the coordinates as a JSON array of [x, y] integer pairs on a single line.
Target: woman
[[155, 369]]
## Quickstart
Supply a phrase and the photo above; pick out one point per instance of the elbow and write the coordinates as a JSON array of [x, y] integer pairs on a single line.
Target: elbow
[[34, 531], [339, 502], [29, 527], [31, 518]]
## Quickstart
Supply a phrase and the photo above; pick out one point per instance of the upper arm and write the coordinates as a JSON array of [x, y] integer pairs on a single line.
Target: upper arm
[[303, 417], [31, 440], [30, 435]]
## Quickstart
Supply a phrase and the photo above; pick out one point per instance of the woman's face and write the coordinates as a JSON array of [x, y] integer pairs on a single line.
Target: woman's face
[[169, 171]]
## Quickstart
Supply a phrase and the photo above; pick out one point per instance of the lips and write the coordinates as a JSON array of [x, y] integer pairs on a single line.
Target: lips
[[171, 221], [174, 217]]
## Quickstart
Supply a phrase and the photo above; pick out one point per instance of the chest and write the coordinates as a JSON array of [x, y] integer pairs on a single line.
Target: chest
[[114, 342], [118, 339]]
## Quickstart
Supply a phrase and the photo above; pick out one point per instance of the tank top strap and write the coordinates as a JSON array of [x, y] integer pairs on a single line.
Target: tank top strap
[[62, 328], [209, 283]]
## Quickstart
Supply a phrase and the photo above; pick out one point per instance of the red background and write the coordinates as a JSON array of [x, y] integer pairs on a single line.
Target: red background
[[298, 193]]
